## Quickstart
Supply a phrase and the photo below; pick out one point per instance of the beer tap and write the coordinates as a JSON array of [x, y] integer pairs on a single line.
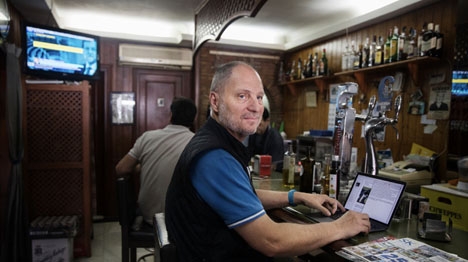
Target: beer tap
[[344, 126], [371, 124]]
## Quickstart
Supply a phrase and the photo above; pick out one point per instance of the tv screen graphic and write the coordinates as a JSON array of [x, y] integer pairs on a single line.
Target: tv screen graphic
[[54, 53]]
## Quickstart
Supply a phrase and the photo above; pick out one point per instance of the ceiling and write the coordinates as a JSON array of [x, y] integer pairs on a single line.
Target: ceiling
[[279, 24]]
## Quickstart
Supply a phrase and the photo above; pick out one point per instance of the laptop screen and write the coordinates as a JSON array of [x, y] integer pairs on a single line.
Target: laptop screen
[[376, 196]]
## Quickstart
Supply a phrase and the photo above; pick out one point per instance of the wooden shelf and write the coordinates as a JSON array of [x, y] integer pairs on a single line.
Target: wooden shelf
[[318, 81], [412, 65]]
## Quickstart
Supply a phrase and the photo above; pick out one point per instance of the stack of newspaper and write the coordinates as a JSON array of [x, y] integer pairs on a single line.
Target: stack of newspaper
[[396, 249]]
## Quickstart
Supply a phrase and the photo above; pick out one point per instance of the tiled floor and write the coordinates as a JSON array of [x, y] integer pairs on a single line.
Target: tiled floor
[[106, 244]]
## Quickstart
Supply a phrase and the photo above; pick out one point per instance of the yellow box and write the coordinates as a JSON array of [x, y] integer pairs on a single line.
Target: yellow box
[[451, 203]]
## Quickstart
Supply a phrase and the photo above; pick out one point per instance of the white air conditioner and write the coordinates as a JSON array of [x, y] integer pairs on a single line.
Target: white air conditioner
[[155, 56]]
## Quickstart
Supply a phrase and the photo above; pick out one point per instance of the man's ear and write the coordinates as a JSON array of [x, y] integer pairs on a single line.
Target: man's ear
[[214, 101]]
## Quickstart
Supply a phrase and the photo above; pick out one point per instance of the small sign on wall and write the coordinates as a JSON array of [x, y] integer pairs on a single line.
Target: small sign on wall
[[311, 99]]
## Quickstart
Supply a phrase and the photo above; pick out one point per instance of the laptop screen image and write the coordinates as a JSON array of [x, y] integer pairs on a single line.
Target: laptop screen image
[[376, 196]]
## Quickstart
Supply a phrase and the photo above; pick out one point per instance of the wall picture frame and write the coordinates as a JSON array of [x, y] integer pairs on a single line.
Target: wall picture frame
[[122, 108]]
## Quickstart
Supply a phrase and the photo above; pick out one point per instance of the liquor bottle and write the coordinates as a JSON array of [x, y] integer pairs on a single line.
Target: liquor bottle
[[420, 40], [286, 167], [379, 50], [352, 56], [325, 180], [315, 69], [372, 48], [344, 59], [299, 69], [292, 72], [324, 64], [365, 54], [429, 40], [402, 45], [334, 186], [387, 47], [358, 58], [307, 178], [309, 65], [394, 46], [439, 42], [412, 48]]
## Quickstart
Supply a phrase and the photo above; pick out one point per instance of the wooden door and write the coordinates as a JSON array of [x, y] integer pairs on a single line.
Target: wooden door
[[155, 90]]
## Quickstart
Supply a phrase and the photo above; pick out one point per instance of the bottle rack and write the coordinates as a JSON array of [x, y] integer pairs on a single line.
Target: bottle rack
[[413, 65]]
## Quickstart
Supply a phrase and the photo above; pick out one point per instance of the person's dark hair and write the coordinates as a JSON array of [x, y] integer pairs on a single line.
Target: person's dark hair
[[183, 111], [266, 114]]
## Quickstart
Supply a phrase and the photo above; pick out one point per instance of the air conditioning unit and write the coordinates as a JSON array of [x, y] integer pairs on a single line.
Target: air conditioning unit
[[155, 56]]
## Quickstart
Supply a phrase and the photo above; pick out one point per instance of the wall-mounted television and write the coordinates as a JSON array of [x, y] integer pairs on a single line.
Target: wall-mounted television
[[58, 54]]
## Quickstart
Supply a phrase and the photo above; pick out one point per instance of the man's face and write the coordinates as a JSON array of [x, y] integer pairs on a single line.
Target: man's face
[[239, 107], [89, 51]]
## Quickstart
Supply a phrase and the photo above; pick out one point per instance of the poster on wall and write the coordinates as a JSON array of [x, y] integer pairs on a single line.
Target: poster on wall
[[439, 101]]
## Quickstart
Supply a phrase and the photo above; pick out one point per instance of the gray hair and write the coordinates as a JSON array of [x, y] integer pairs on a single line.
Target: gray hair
[[223, 73]]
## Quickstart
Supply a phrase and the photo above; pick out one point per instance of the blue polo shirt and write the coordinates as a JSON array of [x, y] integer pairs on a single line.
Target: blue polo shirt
[[221, 181]]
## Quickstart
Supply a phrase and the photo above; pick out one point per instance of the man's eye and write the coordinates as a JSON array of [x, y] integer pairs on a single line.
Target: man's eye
[[242, 96]]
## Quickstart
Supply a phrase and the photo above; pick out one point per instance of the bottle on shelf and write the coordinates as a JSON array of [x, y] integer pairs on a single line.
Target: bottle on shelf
[[299, 69], [334, 186], [402, 45], [309, 65], [387, 47], [307, 177], [292, 72], [324, 63], [358, 58], [289, 164], [439, 41], [344, 59], [429, 41], [412, 47], [365, 54], [379, 51], [421, 48], [372, 50], [354, 54], [325, 180], [394, 46], [315, 68]]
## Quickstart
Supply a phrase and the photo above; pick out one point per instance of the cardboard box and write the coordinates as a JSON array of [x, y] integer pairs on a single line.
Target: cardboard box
[[52, 250], [451, 203]]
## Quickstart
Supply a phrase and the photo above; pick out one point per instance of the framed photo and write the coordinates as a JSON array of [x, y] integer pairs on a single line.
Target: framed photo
[[122, 108]]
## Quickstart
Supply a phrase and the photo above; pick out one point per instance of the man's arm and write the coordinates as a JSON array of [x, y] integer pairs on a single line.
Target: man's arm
[[126, 166]]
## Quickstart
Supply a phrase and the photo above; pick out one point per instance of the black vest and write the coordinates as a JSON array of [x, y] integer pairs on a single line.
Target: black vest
[[198, 233]]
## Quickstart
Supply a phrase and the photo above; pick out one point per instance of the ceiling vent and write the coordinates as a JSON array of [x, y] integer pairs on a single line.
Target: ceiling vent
[[155, 56]]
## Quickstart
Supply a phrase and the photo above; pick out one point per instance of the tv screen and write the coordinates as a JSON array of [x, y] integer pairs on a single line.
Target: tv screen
[[54, 53]]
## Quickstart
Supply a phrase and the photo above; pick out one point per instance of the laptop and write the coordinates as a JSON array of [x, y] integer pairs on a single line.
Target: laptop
[[374, 195]]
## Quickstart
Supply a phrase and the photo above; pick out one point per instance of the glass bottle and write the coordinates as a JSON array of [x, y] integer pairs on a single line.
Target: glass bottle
[[372, 48], [379, 51], [307, 178], [394, 46], [344, 59], [324, 63], [285, 171], [292, 73], [429, 40], [299, 69], [365, 54], [334, 186], [412, 48], [326, 175], [315, 68], [439, 42], [402, 45], [289, 163], [387, 47]]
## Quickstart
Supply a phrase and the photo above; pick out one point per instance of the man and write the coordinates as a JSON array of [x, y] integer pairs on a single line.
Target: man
[[267, 141], [89, 53], [213, 213], [156, 153], [439, 104]]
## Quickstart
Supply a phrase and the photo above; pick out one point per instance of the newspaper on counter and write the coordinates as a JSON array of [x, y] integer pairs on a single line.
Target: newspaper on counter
[[396, 249]]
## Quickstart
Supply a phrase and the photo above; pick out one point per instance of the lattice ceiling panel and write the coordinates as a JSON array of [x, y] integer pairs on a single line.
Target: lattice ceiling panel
[[216, 15]]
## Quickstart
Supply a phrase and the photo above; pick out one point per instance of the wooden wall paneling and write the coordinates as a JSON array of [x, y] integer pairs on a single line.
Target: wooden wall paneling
[[443, 13]]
